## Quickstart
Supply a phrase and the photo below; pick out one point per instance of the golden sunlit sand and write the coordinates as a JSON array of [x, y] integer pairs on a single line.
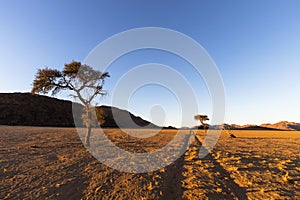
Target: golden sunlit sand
[[52, 163]]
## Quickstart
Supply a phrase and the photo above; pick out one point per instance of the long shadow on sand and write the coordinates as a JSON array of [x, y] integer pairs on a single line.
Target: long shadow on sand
[[172, 184], [224, 177]]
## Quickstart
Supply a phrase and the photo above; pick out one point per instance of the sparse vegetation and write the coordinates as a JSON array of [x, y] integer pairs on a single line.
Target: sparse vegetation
[[202, 119], [78, 78], [244, 168]]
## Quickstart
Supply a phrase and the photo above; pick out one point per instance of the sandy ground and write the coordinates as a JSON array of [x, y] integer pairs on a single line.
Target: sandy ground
[[52, 163]]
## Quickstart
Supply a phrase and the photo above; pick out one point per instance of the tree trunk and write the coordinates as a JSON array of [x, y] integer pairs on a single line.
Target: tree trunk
[[205, 128], [87, 136], [88, 126]]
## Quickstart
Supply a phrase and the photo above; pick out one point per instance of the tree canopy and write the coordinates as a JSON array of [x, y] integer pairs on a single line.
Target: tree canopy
[[75, 77], [201, 118], [86, 83]]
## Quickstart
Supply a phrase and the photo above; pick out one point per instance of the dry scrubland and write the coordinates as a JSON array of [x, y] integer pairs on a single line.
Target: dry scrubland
[[52, 163]]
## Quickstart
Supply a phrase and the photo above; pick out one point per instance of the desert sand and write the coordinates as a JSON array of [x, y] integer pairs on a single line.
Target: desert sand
[[52, 163]]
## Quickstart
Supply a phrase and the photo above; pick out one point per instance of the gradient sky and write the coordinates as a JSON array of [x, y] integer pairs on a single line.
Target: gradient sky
[[255, 45]]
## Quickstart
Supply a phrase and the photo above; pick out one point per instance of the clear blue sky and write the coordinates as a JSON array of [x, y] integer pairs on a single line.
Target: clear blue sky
[[255, 45]]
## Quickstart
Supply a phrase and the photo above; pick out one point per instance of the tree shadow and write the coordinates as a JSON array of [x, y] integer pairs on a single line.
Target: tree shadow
[[228, 183], [173, 177]]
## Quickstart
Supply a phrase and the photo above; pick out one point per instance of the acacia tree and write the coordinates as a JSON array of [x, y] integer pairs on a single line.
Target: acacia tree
[[84, 81], [202, 119]]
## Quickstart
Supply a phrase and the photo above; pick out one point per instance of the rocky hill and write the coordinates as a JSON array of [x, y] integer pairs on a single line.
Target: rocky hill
[[26, 109], [36, 110], [283, 125], [112, 113]]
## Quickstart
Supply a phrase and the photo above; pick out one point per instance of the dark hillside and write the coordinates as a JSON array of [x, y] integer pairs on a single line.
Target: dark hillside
[[25, 109], [35, 110]]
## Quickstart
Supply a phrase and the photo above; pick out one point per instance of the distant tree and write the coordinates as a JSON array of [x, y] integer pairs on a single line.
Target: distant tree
[[86, 82], [227, 129], [202, 119]]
